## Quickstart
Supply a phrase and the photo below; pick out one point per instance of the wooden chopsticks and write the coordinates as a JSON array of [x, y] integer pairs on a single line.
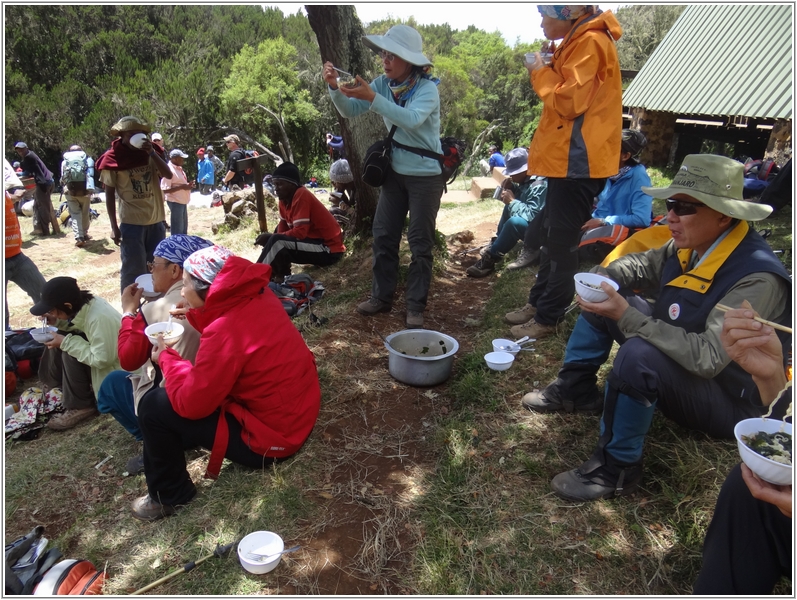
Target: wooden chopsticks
[[724, 308]]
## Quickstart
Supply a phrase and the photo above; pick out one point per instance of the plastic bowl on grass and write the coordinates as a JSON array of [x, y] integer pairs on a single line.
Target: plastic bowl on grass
[[584, 281], [175, 329], [502, 345], [499, 361], [767, 469], [263, 542], [43, 334], [145, 282]]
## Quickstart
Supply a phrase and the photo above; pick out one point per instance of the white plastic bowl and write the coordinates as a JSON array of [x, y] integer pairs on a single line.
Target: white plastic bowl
[[138, 140], [589, 294], [767, 469], [499, 361], [153, 330], [145, 282], [502, 345], [43, 335], [262, 541]]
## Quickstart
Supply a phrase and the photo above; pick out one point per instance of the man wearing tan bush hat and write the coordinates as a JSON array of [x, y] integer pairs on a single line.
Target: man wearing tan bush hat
[[670, 355], [132, 173]]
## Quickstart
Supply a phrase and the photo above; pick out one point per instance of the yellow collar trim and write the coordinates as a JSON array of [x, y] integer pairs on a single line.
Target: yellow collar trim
[[701, 277]]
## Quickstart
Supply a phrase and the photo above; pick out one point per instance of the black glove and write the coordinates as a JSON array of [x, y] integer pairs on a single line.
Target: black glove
[[262, 239]]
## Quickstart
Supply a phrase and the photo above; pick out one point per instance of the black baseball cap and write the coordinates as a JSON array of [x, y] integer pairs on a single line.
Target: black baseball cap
[[55, 294]]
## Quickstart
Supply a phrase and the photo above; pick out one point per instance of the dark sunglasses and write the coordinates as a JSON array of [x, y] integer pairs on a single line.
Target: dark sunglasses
[[681, 208]]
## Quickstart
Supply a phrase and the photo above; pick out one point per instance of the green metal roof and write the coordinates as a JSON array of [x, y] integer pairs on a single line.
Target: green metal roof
[[724, 60]]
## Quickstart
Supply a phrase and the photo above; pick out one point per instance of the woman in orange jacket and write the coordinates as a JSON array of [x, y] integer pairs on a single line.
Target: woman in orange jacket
[[576, 146]]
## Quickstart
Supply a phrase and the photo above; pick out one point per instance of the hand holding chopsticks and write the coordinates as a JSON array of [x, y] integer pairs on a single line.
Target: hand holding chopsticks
[[777, 326]]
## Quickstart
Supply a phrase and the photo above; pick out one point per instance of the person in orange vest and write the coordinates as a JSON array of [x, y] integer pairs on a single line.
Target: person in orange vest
[[19, 268]]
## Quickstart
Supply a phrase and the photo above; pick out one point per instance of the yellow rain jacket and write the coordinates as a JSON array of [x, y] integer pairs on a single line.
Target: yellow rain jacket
[[579, 134]]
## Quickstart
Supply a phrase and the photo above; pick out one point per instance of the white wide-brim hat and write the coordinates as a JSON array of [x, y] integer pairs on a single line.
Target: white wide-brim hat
[[401, 40]]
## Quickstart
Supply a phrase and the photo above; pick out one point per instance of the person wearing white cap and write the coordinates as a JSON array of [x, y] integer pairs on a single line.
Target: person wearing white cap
[[177, 192], [406, 98], [671, 355]]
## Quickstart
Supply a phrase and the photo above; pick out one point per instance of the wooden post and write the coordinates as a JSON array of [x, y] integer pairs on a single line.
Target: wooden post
[[254, 163]]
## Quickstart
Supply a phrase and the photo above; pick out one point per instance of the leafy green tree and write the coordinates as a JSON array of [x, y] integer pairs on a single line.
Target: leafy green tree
[[644, 26], [263, 89]]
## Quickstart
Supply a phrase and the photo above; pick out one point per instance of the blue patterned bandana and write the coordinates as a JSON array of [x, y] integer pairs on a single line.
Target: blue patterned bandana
[[176, 248], [564, 12]]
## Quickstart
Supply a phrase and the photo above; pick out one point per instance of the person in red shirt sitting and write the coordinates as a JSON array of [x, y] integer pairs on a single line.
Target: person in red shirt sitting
[[252, 394], [307, 233]]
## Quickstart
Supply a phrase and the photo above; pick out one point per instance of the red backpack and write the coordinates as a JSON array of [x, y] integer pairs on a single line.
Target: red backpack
[[71, 578]]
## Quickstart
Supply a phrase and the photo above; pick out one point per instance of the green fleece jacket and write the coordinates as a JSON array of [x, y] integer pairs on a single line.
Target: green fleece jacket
[[100, 322]]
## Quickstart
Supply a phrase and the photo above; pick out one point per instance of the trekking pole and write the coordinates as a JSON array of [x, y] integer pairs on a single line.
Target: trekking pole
[[220, 551]]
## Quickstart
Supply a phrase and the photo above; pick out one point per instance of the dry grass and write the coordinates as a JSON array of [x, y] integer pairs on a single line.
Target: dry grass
[[452, 498]]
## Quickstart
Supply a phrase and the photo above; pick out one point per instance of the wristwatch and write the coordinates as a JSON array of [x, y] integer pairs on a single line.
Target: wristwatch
[[132, 315]]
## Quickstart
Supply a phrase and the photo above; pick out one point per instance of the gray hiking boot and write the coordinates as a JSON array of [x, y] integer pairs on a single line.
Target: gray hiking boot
[[520, 316], [539, 402], [482, 267], [575, 485], [373, 306], [414, 319], [526, 258]]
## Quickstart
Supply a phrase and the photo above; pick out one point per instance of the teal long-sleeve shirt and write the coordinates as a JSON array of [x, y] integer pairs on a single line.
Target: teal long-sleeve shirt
[[418, 122], [529, 198]]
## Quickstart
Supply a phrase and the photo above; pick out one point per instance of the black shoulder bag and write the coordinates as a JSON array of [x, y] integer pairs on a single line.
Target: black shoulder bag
[[376, 165]]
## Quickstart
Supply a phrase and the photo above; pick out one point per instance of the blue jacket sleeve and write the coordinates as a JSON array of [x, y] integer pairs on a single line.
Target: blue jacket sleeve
[[624, 202]]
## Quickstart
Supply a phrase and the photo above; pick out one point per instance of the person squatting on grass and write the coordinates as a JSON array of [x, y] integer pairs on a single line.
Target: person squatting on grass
[[576, 146], [748, 546], [307, 233], [122, 391], [621, 210], [523, 197], [132, 175], [405, 96], [252, 394], [79, 359], [670, 355]]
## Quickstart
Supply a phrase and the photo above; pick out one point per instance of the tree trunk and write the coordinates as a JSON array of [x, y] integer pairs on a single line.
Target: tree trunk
[[339, 34]]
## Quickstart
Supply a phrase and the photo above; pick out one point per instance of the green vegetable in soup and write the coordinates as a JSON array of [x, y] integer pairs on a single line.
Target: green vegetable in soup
[[774, 446]]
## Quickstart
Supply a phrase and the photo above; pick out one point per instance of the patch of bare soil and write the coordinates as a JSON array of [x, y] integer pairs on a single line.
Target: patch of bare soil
[[377, 443], [374, 444]]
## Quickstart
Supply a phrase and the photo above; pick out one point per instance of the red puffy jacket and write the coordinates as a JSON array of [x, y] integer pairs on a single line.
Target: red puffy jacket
[[251, 362]]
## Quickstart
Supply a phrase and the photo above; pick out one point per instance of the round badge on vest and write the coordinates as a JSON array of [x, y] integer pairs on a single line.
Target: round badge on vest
[[674, 311]]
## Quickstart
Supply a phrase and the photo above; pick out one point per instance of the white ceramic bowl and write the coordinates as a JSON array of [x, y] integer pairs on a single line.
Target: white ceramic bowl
[[263, 542], [145, 282], [502, 345], [499, 361], [153, 330], [767, 469], [138, 140], [590, 294], [42, 335]]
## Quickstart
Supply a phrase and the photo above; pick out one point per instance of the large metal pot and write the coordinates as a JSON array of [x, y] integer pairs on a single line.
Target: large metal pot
[[421, 357]]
